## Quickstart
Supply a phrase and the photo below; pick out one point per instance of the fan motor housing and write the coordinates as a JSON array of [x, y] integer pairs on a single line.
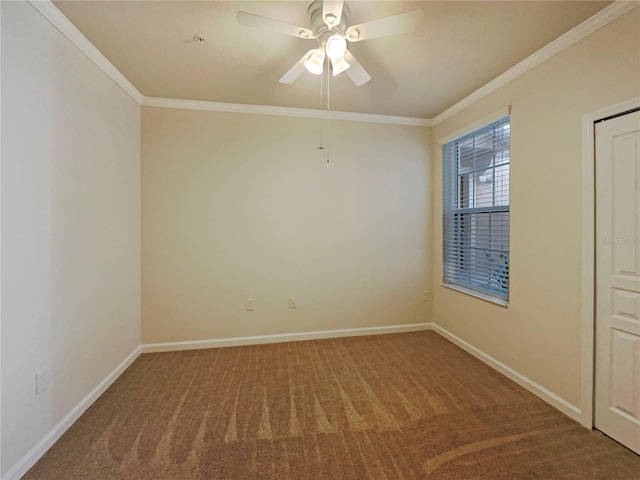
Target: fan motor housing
[[319, 28]]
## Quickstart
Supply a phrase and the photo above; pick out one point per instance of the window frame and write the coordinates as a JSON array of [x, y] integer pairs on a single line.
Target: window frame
[[488, 278]]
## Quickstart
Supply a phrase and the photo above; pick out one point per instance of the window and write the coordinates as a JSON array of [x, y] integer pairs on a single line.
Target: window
[[476, 211]]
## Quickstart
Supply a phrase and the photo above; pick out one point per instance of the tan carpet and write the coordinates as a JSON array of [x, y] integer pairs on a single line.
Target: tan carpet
[[404, 406]]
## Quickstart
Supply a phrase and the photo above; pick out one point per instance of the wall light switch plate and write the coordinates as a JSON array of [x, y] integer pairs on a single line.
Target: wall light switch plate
[[292, 302], [250, 305]]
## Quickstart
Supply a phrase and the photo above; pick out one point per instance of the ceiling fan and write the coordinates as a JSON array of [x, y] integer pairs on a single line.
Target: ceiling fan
[[329, 25]]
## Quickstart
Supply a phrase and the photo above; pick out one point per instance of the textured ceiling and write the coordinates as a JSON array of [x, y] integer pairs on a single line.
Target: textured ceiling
[[459, 48]]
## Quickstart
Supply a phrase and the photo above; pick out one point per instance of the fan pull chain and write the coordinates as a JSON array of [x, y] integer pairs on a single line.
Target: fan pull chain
[[321, 147], [328, 108]]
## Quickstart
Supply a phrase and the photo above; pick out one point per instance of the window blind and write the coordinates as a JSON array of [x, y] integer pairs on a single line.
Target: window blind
[[476, 210]]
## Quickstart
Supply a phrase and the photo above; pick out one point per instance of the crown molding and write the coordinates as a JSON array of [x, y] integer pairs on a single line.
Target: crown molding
[[600, 19], [62, 23], [563, 42], [282, 111]]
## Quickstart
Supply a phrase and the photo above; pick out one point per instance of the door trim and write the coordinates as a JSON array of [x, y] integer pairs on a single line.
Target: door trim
[[588, 251]]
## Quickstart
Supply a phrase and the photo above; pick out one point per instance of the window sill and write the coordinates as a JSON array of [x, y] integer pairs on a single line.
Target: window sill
[[486, 298]]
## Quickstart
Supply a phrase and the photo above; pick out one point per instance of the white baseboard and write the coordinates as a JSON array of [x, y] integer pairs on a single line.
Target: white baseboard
[[29, 460], [548, 396], [283, 337]]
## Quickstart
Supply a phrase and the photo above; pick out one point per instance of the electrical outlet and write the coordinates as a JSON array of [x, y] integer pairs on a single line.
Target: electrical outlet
[[292, 302], [43, 380], [250, 305], [425, 296]]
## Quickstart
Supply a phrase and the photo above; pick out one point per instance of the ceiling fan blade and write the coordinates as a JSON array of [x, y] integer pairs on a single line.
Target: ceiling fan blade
[[356, 72], [332, 12], [295, 71], [385, 26], [251, 20]]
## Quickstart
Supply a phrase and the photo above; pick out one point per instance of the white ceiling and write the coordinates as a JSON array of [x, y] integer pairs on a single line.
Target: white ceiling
[[459, 48]]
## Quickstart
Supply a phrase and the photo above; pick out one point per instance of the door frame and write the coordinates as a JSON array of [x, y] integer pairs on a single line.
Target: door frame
[[589, 253]]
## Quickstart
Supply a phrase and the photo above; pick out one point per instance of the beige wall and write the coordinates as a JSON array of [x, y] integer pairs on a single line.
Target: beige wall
[[70, 227], [539, 334], [242, 206]]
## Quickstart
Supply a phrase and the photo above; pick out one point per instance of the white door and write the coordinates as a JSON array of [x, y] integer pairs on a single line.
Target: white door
[[617, 382]]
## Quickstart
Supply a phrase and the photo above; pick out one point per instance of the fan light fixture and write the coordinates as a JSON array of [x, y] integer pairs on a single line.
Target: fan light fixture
[[315, 61], [339, 65], [336, 46]]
